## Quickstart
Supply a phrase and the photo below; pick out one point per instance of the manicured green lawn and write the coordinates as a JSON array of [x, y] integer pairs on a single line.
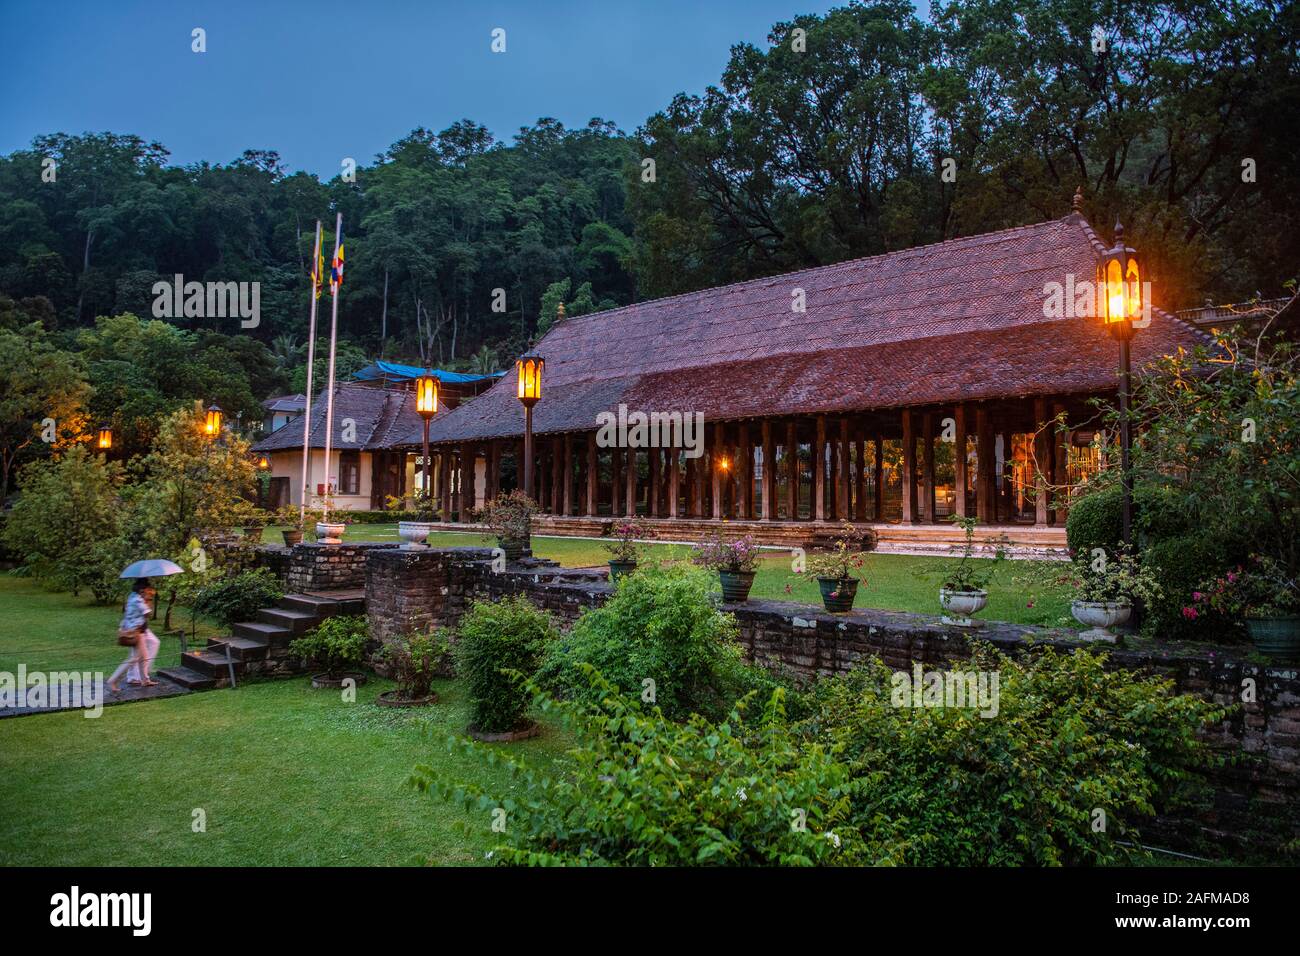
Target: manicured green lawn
[[286, 774], [891, 582]]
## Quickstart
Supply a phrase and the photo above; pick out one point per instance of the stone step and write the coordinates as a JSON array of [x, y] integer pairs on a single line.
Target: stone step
[[188, 678], [267, 635], [295, 621], [211, 662], [322, 607], [241, 648]]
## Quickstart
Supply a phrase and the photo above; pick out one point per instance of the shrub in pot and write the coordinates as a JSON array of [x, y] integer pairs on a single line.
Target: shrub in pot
[[511, 518], [736, 562], [964, 590], [415, 532], [498, 646], [1106, 588], [624, 551], [338, 646], [412, 661], [1264, 597], [837, 570]]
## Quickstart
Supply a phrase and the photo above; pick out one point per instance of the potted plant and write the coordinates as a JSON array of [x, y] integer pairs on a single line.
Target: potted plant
[[836, 570], [964, 590], [292, 523], [1263, 597], [415, 534], [511, 518], [624, 551], [329, 530], [338, 645], [413, 660], [1105, 590], [735, 561]]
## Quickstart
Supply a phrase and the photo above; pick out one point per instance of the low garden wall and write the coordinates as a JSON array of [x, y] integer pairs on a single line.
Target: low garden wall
[[1256, 793]]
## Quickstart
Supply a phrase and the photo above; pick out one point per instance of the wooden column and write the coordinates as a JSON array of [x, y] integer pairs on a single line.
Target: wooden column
[[593, 475], [878, 467], [674, 479], [833, 469], [566, 475], [746, 473], [1060, 464], [444, 480], [842, 474], [715, 456], [615, 482], [1042, 456], [652, 499], [909, 469], [630, 476], [860, 479], [698, 470], [959, 459], [819, 469], [927, 467], [467, 490], [768, 493], [690, 464], [986, 489], [792, 471]]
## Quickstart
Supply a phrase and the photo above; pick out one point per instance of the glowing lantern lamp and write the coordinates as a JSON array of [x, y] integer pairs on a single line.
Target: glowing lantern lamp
[[426, 403], [1120, 304], [529, 367], [105, 439], [212, 424]]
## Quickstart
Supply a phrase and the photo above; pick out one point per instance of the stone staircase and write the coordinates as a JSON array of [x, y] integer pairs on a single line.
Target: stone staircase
[[262, 646]]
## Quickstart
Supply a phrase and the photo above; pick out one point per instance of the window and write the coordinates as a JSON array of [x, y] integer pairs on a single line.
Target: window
[[349, 472]]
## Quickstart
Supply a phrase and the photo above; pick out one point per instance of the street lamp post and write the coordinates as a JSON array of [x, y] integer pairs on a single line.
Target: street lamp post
[[1119, 284], [529, 368], [426, 403], [212, 421], [104, 439]]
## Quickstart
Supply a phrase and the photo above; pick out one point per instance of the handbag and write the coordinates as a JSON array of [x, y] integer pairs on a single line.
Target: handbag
[[128, 636]]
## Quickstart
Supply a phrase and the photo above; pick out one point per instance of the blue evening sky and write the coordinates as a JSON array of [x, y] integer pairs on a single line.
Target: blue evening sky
[[325, 80]]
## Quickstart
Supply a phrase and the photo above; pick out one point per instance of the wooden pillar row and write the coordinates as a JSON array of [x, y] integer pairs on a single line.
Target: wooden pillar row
[[768, 492], [986, 487], [927, 468], [878, 466], [819, 469], [909, 469], [715, 469], [1060, 464], [792, 471], [959, 460], [629, 501], [746, 473], [1042, 452], [859, 478], [590, 505]]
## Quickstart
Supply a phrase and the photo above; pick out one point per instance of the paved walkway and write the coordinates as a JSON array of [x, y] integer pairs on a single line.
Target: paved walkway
[[55, 700]]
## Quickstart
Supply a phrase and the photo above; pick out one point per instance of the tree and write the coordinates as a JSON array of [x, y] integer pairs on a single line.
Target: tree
[[38, 382]]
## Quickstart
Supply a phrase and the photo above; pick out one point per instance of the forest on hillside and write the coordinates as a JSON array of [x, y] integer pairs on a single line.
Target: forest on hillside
[[865, 130]]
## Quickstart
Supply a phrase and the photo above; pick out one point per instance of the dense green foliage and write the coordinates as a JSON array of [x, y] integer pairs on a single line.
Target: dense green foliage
[[1070, 739], [498, 647], [1095, 520], [413, 660], [642, 790], [337, 644], [238, 597], [663, 628]]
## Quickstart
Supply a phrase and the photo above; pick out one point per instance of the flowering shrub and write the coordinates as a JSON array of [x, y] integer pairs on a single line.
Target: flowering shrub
[[1118, 576], [969, 573], [739, 555], [1261, 590], [844, 561], [626, 534], [510, 516]]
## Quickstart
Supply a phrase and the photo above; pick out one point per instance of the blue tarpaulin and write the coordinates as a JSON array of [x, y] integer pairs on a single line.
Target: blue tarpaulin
[[392, 372]]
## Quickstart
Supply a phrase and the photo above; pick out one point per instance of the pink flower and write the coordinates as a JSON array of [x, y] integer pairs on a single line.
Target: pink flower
[[1029, 604], [1197, 595], [1190, 613], [1232, 577]]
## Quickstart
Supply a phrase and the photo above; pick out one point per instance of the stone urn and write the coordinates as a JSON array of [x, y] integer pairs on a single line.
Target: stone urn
[[414, 534], [329, 532], [1099, 617], [958, 606]]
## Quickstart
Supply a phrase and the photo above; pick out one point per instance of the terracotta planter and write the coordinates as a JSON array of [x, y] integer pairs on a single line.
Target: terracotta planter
[[254, 532], [414, 534], [508, 736], [515, 547], [1276, 637], [838, 594], [958, 606], [326, 682], [329, 532], [619, 568], [389, 698], [291, 537], [1099, 617], [736, 585]]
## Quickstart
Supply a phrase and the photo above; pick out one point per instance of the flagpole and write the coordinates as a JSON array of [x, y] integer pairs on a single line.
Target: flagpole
[[311, 361], [329, 393]]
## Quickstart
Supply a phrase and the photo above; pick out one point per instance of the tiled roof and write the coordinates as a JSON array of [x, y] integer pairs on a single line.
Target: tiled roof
[[381, 416], [285, 403], [961, 319]]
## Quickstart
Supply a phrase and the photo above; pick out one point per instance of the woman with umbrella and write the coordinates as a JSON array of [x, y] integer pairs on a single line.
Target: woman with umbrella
[[135, 621]]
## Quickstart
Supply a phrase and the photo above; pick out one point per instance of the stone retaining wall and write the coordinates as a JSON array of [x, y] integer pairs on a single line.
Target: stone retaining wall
[[329, 567], [1256, 803]]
